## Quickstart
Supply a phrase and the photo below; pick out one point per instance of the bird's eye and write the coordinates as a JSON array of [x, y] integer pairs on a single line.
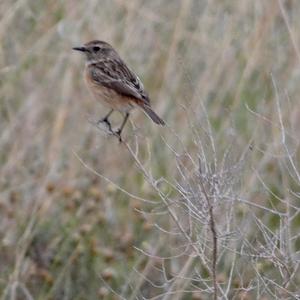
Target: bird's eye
[[96, 49]]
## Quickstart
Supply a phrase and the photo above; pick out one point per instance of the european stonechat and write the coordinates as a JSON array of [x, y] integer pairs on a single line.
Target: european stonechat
[[113, 83]]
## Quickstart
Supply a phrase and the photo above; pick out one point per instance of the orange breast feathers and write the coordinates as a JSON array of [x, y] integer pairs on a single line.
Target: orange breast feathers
[[108, 97]]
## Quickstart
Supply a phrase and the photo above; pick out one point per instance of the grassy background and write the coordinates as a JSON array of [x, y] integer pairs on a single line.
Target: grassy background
[[83, 217]]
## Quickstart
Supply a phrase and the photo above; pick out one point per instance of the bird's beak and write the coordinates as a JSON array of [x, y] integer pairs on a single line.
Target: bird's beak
[[82, 49]]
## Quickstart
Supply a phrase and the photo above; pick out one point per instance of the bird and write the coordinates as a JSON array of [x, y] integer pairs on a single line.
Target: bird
[[113, 84]]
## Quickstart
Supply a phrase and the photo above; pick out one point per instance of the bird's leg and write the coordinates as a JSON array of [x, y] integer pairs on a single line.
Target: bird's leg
[[105, 120], [119, 131]]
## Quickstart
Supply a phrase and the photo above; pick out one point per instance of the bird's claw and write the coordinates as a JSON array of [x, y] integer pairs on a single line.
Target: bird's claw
[[105, 120], [118, 135]]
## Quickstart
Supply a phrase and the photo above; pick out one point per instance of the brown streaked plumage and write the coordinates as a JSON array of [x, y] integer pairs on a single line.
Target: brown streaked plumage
[[113, 83]]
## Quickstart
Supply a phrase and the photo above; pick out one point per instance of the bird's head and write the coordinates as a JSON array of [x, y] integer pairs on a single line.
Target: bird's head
[[97, 50]]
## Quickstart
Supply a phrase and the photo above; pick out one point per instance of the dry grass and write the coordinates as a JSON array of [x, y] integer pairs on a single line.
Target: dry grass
[[205, 208]]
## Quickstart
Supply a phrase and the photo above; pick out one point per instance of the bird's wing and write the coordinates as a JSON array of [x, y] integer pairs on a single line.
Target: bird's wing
[[114, 74]]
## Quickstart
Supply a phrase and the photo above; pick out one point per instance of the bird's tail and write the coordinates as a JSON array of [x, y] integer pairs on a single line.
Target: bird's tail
[[154, 117]]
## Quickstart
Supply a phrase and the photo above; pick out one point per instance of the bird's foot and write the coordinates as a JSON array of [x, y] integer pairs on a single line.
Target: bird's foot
[[106, 121], [118, 135]]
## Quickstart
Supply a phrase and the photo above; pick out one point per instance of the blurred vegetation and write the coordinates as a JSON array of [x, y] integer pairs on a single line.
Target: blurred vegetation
[[80, 217]]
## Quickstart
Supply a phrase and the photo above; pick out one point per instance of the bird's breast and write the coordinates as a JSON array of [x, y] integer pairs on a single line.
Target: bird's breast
[[107, 96]]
